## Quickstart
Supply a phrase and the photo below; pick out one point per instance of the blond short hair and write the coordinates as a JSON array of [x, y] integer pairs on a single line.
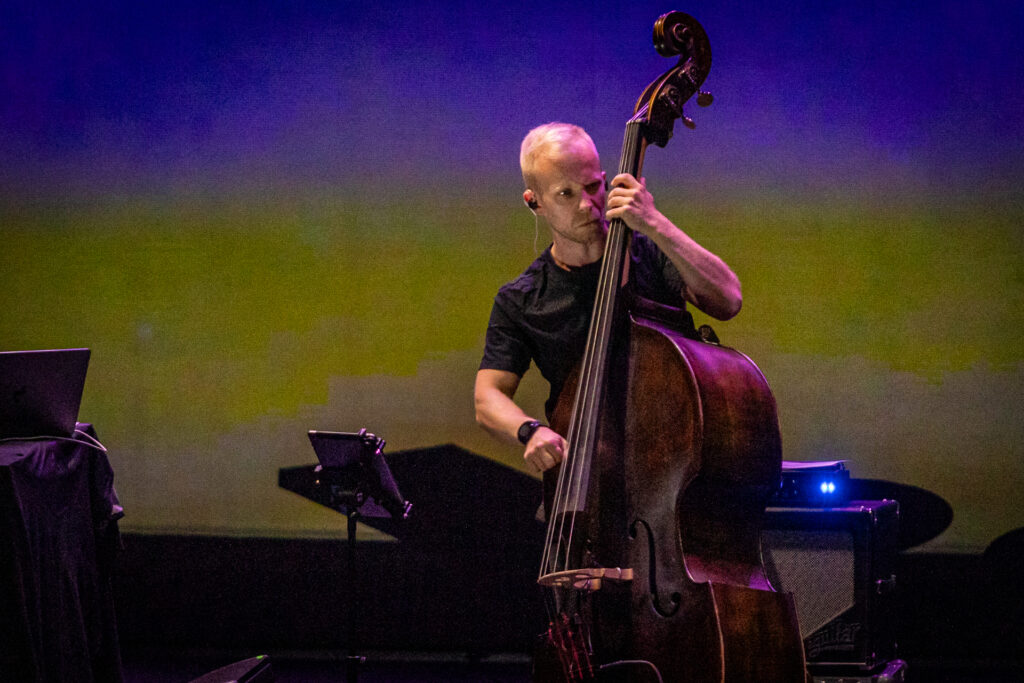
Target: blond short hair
[[549, 136]]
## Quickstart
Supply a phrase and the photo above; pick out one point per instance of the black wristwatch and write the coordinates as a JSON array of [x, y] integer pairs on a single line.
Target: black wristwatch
[[526, 431]]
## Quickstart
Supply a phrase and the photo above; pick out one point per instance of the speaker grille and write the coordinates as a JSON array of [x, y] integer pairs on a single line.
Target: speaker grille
[[835, 561], [817, 567]]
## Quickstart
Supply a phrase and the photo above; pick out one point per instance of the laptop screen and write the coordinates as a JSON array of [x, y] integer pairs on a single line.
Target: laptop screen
[[40, 392]]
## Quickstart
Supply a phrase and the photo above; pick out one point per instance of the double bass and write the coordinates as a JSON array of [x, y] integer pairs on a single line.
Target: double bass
[[652, 566]]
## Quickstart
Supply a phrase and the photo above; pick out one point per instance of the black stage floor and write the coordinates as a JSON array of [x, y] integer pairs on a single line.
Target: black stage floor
[[164, 667], [317, 667]]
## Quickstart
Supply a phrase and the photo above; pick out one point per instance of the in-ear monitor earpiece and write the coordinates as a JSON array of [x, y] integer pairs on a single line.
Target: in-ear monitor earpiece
[[530, 199]]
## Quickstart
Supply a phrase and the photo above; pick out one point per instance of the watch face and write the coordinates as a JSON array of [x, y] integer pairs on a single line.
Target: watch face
[[526, 431]]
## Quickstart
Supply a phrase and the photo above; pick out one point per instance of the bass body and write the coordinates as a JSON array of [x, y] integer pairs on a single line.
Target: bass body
[[688, 454]]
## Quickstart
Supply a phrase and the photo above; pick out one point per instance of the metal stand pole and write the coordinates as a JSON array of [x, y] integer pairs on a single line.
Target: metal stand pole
[[352, 661]]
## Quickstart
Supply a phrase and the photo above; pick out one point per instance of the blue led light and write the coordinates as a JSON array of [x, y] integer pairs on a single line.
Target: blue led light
[[824, 487], [831, 487]]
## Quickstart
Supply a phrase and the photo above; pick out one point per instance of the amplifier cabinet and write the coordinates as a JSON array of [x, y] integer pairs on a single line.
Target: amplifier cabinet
[[839, 565]]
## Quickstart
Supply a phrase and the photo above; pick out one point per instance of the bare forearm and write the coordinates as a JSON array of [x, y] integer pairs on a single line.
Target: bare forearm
[[710, 283], [499, 414]]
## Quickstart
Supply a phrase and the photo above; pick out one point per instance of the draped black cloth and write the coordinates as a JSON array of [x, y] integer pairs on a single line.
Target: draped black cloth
[[58, 541]]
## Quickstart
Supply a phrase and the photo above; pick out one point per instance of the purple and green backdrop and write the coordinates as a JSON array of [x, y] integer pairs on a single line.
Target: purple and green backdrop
[[268, 217]]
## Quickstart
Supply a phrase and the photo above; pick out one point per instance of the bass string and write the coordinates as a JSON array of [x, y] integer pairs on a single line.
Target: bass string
[[570, 478], [583, 425], [596, 359]]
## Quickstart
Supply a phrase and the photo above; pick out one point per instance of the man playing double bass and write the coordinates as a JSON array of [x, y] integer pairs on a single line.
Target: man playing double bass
[[543, 315]]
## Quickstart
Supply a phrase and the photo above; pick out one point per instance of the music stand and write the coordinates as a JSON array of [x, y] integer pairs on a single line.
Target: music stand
[[355, 481]]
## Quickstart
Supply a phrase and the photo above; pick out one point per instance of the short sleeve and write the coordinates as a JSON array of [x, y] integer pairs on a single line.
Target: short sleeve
[[505, 347]]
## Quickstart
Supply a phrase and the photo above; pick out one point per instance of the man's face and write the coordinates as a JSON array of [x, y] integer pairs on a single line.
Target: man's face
[[571, 192]]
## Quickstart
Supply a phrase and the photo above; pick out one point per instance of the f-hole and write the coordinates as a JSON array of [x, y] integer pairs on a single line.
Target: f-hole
[[674, 600]]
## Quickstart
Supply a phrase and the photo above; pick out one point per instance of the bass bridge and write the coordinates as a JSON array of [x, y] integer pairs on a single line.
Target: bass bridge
[[585, 579]]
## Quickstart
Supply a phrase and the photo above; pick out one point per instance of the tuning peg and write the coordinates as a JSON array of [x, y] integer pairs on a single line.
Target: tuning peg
[[704, 98], [688, 122]]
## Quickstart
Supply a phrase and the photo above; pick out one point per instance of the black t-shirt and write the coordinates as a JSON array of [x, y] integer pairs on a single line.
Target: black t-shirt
[[543, 315]]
